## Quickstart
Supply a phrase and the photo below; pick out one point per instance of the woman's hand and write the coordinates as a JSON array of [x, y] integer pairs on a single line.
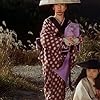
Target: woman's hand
[[71, 41], [68, 41]]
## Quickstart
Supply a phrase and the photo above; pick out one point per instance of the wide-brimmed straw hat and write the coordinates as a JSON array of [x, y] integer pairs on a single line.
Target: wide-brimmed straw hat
[[90, 64], [49, 2]]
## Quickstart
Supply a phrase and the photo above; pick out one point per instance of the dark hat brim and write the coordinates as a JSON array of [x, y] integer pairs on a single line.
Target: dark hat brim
[[90, 64]]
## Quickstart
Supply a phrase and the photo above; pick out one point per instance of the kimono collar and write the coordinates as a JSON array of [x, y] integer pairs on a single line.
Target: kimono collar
[[91, 81], [60, 22]]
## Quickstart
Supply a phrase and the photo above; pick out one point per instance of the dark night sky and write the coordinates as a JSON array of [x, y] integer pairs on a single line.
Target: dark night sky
[[90, 8], [92, 2]]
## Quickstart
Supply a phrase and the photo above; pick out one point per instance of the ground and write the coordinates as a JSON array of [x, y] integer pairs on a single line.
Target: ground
[[35, 73]]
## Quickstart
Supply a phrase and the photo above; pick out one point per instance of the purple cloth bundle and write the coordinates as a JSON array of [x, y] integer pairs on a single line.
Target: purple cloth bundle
[[72, 29]]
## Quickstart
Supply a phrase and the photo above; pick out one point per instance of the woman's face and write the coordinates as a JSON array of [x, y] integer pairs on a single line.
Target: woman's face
[[59, 8], [92, 73]]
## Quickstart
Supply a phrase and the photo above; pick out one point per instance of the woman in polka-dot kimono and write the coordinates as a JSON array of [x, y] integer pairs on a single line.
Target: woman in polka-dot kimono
[[51, 55]]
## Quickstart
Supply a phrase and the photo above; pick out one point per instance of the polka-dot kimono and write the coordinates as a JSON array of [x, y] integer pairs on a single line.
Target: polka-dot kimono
[[52, 58]]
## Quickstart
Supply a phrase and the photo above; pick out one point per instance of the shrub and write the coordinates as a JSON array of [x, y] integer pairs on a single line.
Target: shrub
[[90, 48], [12, 51]]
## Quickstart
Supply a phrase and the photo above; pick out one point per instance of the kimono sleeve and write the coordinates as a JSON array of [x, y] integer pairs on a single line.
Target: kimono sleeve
[[81, 92], [50, 42]]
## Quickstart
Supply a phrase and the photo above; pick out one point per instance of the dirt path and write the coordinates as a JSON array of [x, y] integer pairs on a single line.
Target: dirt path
[[35, 73], [22, 95]]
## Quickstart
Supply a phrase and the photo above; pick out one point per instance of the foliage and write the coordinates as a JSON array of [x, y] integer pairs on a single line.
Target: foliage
[[12, 51], [90, 48], [24, 57], [6, 44]]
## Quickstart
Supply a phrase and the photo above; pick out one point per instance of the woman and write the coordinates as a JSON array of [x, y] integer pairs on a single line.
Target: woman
[[51, 56], [85, 90]]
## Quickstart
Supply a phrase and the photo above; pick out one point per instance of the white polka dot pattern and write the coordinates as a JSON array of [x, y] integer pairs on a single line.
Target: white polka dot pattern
[[51, 58]]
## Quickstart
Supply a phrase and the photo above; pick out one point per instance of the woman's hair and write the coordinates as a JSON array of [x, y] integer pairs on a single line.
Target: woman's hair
[[82, 75]]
